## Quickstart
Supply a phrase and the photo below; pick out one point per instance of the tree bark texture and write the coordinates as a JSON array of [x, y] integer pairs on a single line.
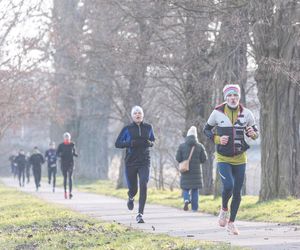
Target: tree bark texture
[[277, 51]]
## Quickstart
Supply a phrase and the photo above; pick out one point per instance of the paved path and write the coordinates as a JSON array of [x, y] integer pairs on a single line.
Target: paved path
[[175, 222]]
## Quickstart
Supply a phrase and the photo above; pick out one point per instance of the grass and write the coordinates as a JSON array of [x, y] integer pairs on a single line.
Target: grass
[[29, 223], [279, 210]]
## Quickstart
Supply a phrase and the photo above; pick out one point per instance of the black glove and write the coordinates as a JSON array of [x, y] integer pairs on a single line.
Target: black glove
[[136, 143], [141, 142]]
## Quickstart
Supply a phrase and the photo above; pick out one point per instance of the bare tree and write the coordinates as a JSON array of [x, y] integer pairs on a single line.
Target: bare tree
[[22, 89], [276, 34]]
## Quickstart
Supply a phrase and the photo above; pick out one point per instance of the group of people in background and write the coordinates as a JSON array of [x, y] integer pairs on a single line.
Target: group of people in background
[[226, 127], [23, 163]]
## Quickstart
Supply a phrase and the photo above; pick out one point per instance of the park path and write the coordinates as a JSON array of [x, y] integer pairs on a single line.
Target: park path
[[172, 221]]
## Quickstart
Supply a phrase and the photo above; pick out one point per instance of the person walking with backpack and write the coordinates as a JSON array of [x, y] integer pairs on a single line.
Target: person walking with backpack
[[231, 123], [51, 157], [137, 138], [36, 160], [191, 180], [66, 152]]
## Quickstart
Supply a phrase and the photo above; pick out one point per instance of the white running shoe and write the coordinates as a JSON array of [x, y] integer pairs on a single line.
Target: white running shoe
[[232, 229], [223, 218]]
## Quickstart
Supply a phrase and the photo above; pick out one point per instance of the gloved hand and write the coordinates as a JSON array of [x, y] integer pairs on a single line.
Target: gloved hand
[[141, 142], [149, 143], [136, 143]]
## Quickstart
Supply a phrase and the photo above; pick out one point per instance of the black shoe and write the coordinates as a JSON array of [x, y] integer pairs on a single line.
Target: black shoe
[[139, 218], [70, 196], [186, 206], [130, 203]]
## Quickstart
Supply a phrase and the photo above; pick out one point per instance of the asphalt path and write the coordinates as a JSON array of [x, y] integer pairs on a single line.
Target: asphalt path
[[171, 221]]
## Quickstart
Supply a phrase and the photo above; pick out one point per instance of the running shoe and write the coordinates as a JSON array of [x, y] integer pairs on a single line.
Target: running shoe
[[223, 218], [130, 203], [232, 229], [139, 218]]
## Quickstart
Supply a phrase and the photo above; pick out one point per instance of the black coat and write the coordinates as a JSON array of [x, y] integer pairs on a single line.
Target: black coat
[[136, 139], [66, 152], [36, 160], [21, 162], [193, 177]]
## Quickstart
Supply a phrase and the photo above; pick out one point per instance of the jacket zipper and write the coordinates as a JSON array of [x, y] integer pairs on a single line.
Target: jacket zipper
[[140, 133], [232, 132]]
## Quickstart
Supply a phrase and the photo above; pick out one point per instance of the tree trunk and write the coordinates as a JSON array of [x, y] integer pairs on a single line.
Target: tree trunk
[[66, 31], [277, 52], [137, 75]]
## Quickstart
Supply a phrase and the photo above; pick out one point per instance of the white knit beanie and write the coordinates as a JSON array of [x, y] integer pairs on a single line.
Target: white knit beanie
[[67, 135], [137, 109], [192, 131]]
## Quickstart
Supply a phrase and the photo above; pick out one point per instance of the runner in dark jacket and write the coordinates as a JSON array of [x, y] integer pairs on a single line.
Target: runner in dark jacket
[[66, 151], [13, 165], [51, 157], [36, 160], [28, 167], [20, 160], [137, 137]]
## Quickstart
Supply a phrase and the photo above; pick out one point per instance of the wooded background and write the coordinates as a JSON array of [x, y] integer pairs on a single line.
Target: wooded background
[[80, 66]]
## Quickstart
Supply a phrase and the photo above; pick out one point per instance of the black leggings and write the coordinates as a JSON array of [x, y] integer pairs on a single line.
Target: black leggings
[[52, 171], [132, 174], [37, 175], [67, 174], [21, 175], [232, 177]]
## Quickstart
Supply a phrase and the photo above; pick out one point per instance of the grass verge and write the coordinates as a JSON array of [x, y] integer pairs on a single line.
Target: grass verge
[[29, 223]]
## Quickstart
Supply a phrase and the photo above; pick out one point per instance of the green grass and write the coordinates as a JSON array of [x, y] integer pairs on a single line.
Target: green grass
[[29, 223], [279, 210]]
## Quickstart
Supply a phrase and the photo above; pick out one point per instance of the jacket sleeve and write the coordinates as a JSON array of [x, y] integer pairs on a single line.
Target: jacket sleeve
[[211, 123], [58, 152], [123, 140], [74, 151], [251, 122], [41, 158], [203, 154], [179, 155], [207, 131], [150, 143]]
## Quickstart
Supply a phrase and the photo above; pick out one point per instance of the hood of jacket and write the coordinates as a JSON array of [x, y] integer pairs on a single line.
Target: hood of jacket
[[191, 140]]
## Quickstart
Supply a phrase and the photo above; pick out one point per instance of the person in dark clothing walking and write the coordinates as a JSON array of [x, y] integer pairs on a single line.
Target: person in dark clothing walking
[[66, 151], [36, 160], [137, 137], [13, 165], [28, 167], [51, 158], [20, 160], [191, 180], [227, 127]]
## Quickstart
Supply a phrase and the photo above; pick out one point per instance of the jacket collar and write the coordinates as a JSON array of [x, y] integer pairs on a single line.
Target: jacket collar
[[221, 107]]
